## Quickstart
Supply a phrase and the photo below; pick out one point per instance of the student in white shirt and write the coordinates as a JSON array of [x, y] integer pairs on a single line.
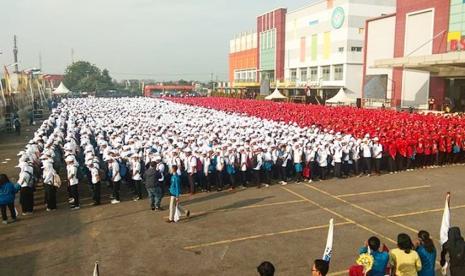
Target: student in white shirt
[[366, 155], [73, 181], [115, 180], [136, 168], [377, 154], [95, 176]]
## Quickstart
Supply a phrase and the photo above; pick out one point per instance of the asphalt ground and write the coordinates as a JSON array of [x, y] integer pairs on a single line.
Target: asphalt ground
[[229, 232]]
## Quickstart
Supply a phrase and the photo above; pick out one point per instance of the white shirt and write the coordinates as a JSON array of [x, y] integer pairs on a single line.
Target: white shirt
[[25, 179], [297, 155], [377, 151], [48, 176], [115, 171], [366, 150], [72, 174], [337, 154], [243, 162], [322, 157], [191, 164], [135, 165], [95, 175], [219, 163]]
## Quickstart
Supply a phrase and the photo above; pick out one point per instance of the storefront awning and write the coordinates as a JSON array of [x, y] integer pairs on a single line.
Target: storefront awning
[[445, 65]]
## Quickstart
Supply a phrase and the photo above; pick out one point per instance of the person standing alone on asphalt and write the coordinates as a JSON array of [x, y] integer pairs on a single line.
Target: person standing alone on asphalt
[[175, 191], [7, 197]]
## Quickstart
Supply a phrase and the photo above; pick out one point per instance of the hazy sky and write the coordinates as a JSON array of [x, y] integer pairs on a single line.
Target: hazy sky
[[151, 39]]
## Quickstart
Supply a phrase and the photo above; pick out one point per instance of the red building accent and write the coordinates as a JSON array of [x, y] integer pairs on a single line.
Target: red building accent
[[274, 19], [149, 88]]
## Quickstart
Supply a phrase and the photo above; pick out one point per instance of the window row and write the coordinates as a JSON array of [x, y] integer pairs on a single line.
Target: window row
[[311, 74]]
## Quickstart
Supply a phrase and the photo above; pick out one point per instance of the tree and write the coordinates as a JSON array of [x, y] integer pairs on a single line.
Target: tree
[[82, 76]]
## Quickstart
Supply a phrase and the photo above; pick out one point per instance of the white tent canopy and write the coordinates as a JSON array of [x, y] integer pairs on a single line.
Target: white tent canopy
[[276, 95], [61, 90], [341, 98]]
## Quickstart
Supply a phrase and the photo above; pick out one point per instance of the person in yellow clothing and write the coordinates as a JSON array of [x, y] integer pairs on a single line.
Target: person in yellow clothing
[[404, 260]]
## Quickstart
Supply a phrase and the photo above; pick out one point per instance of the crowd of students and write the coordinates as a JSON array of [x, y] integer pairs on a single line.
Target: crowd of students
[[410, 258], [115, 141], [168, 146]]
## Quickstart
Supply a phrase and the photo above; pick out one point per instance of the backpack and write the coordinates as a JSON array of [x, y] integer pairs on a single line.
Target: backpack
[[17, 123], [56, 180], [199, 166], [254, 161], [123, 169]]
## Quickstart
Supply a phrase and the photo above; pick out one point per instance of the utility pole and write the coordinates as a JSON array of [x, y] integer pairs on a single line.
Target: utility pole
[[15, 54], [72, 55], [40, 61]]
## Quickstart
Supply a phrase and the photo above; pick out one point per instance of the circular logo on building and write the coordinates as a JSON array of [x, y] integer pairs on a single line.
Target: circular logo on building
[[337, 20]]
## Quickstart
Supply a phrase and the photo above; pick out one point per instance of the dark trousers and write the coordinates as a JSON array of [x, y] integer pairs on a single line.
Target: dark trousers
[[50, 196], [96, 192], [219, 180], [442, 158], [190, 179], [256, 177], [357, 166], [367, 165], [323, 171], [243, 175], [377, 162], [210, 180], [231, 180], [116, 187], [138, 188], [400, 160], [73, 189], [391, 164], [282, 173], [11, 206], [267, 174], [313, 170], [26, 198], [337, 169]]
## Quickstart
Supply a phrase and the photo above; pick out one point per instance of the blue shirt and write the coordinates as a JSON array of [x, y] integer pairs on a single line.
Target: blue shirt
[[175, 187], [427, 261], [7, 193], [381, 260]]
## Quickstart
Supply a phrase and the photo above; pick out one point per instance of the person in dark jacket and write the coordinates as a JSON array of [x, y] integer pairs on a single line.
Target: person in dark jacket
[[150, 180], [7, 197], [455, 247]]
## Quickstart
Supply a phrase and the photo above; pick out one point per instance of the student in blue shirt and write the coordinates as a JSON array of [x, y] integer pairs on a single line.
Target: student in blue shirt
[[427, 252], [381, 258], [175, 191]]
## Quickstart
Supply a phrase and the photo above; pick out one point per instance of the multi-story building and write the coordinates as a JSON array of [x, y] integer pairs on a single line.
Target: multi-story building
[[243, 63], [271, 42], [324, 45], [418, 57]]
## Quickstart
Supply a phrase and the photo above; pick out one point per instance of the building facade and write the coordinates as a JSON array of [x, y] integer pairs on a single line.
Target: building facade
[[425, 61], [324, 45], [243, 62], [271, 42]]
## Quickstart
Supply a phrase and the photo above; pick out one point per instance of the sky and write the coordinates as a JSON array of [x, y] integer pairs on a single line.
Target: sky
[[133, 39]]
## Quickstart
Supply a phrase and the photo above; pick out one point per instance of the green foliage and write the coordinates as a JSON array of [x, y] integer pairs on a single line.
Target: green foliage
[[82, 76]]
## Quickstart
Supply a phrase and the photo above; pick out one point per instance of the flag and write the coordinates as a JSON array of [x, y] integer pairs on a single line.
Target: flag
[[96, 273], [445, 224], [329, 242]]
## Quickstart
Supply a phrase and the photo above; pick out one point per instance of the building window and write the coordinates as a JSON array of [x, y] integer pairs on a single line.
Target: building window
[[340, 49], [293, 74], [325, 72], [356, 49], [313, 73], [361, 30], [338, 72], [237, 76], [303, 74]]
